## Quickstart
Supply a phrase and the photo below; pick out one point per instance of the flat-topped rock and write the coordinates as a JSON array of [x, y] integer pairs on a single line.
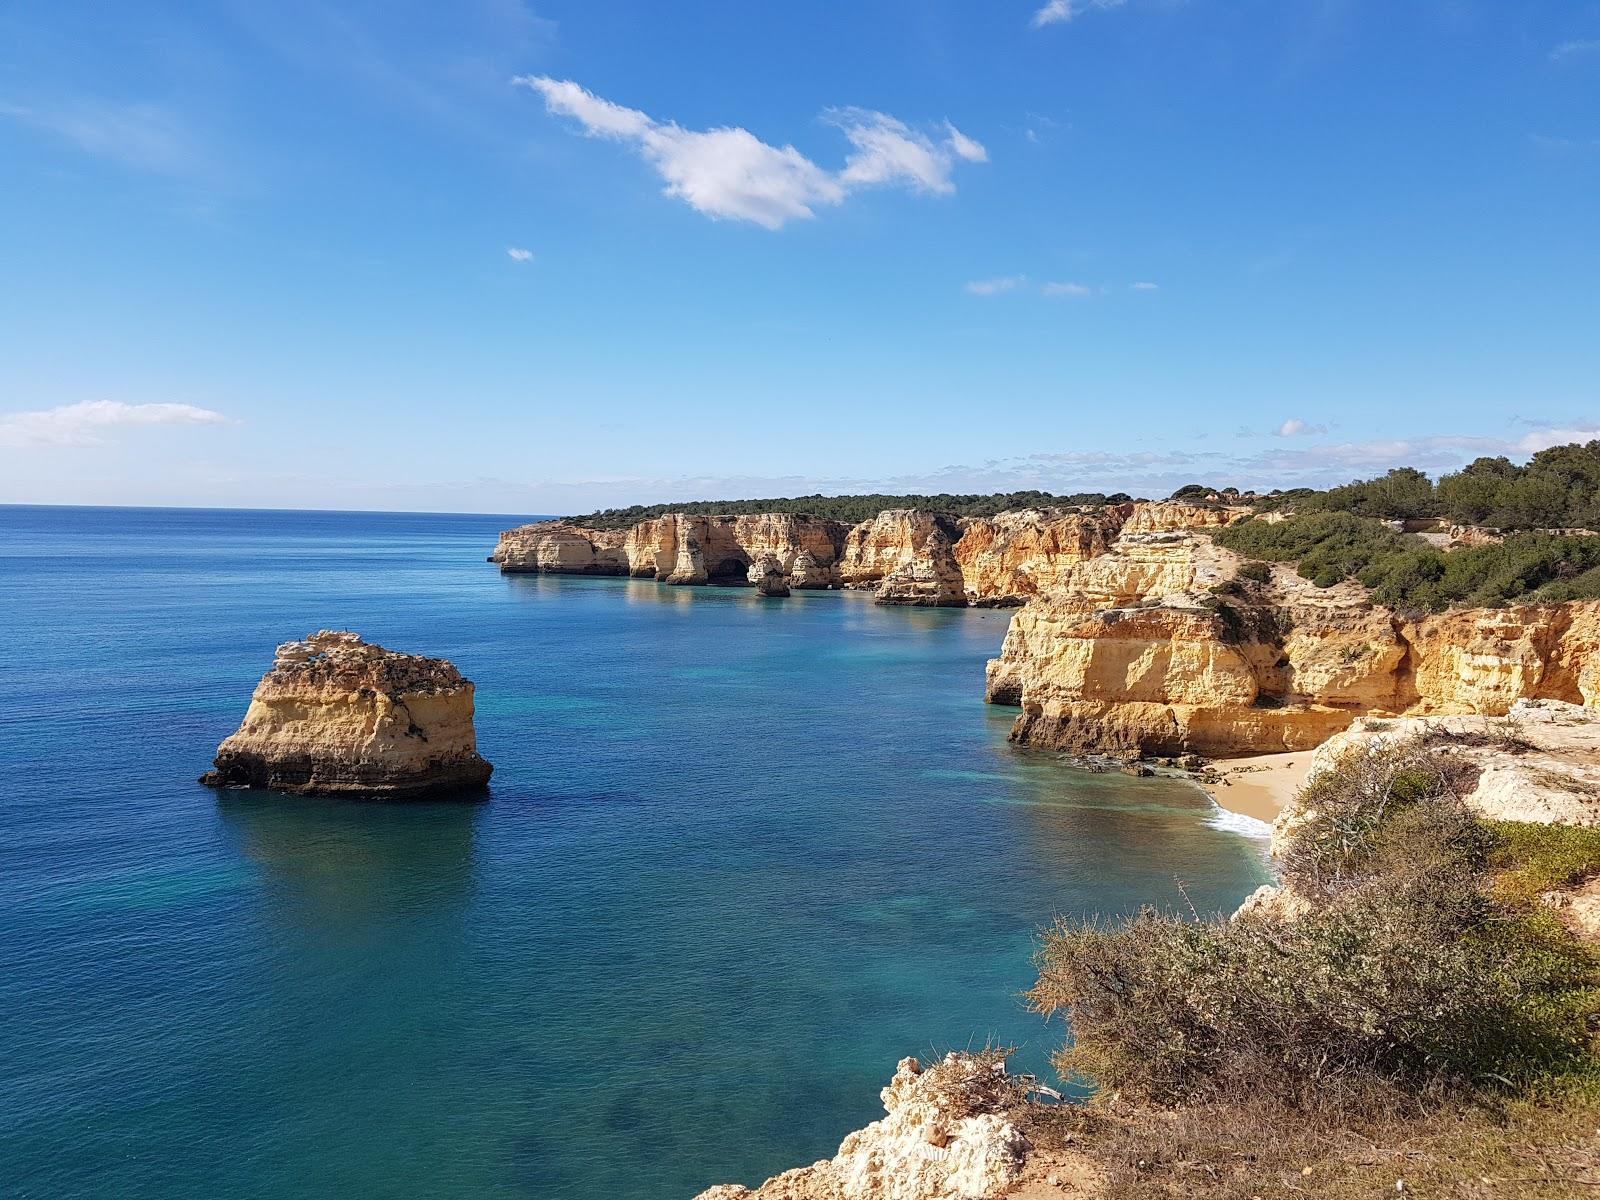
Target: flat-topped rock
[[339, 716]]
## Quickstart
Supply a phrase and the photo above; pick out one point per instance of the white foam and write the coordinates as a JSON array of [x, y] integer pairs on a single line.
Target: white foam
[[1232, 822]]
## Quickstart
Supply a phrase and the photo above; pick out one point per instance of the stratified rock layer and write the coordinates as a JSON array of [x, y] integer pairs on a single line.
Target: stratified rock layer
[[908, 556], [1158, 647], [944, 1138], [338, 716]]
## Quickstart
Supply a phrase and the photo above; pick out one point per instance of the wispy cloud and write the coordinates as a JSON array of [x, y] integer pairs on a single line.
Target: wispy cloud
[[1295, 427], [1057, 12], [1054, 289], [518, 254], [86, 423], [729, 172], [993, 287], [138, 134], [1575, 49]]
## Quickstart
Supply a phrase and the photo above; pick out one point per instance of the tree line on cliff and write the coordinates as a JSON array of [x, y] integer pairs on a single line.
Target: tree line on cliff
[[1558, 488], [851, 510], [1405, 574]]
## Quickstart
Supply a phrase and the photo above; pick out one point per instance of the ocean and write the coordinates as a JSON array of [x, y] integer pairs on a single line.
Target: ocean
[[738, 857]]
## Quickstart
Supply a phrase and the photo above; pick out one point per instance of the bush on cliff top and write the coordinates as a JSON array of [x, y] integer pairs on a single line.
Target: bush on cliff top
[[1408, 970], [850, 510], [1558, 488], [1404, 573]]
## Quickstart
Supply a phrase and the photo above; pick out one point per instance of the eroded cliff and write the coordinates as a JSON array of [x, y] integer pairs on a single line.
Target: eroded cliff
[[336, 715], [907, 556], [1158, 646]]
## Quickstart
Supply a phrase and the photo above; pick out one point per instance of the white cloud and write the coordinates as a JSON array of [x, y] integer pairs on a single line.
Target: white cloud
[[993, 287], [1071, 291], [1057, 12], [1295, 427], [518, 254], [888, 151], [81, 424], [965, 147], [729, 172], [1543, 439], [1575, 48], [1145, 286]]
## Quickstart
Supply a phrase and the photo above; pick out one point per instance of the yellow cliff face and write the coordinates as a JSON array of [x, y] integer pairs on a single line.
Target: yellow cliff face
[[338, 716], [679, 548], [1015, 556], [908, 556], [1142, 652]]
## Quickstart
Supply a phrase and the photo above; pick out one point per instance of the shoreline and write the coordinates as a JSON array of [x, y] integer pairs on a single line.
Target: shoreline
[[1259, 786]]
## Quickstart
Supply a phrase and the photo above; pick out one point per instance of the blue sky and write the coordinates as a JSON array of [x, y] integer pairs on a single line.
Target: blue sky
[[263, 254]]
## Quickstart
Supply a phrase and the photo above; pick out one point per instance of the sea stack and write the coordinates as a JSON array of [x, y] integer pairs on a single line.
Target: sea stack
[[338, 716]]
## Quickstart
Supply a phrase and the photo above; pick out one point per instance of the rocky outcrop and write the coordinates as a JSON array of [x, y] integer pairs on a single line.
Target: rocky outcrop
[[338, 716], [950, 1133], [1540, 762], [768, 576], [908, 556], [1158, 647]]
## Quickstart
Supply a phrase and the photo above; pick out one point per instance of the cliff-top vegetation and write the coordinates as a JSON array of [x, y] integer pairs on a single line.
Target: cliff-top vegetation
[[1558, 488], [850, 510], [1404, 573]]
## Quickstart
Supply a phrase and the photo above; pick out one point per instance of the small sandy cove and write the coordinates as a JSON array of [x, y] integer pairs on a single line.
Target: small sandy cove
[[1261, 785]]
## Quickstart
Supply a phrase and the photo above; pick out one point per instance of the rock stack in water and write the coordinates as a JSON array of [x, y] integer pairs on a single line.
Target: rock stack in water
[[337, 716]]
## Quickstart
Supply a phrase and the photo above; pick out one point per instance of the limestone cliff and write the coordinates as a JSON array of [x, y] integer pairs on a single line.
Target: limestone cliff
[[1158, 647], [338, 716], [906, 556], [679, 548], [909, 555]]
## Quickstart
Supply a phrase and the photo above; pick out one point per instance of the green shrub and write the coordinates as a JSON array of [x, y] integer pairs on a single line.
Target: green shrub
[[1532, 859], [1328, 548], [1256, 572], [1404, 968], [1558, 488]]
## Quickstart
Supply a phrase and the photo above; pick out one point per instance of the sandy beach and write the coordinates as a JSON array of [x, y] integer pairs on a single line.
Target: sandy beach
[[1261, 785]]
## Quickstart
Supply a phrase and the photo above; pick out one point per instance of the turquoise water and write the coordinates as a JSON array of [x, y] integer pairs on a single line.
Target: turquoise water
[[738, 857]]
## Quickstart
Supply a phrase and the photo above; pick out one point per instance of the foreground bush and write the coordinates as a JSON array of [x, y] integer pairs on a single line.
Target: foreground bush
[[1403, 970]]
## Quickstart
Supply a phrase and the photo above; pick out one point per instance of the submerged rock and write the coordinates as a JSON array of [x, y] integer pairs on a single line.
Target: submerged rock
[[338, 716]]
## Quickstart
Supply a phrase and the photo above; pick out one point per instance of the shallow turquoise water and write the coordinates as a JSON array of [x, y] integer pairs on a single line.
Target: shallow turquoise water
[[738, 857]]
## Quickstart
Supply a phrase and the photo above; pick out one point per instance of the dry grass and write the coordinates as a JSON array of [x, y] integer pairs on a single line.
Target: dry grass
[[1247, 1150]]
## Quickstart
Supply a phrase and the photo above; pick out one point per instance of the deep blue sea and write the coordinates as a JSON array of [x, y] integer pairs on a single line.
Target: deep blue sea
[[738, 857]]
